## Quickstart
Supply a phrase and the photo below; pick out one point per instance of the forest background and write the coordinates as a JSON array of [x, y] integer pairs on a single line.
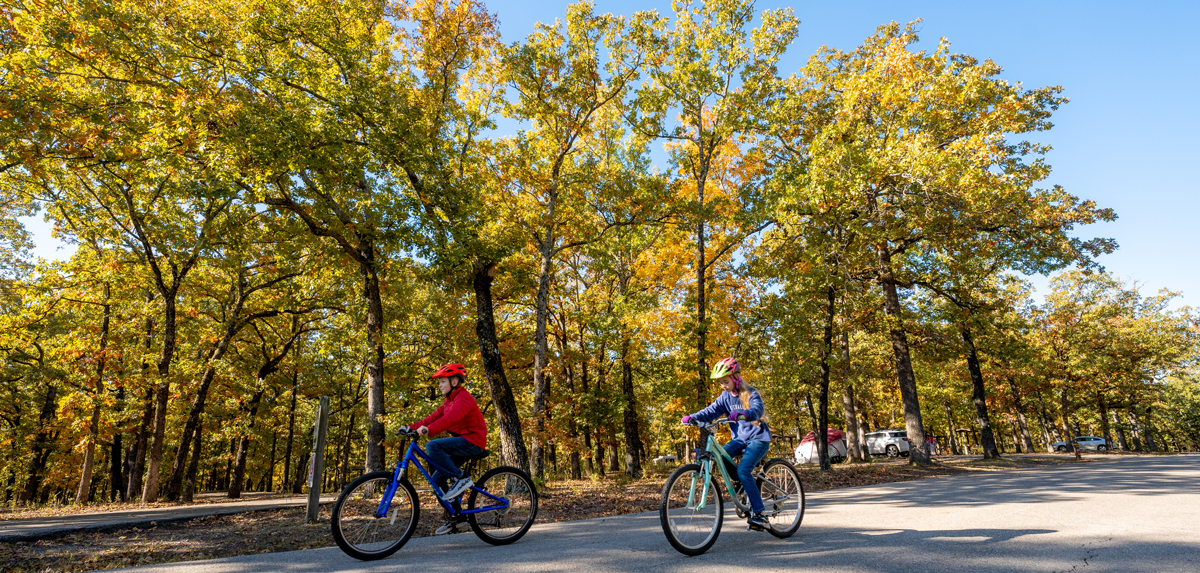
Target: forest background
[[278, 201]]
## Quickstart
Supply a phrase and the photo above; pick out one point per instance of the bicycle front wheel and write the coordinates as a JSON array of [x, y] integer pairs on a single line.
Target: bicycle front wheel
[[508, 524], [691, 526], [357, 526], [783, 498]]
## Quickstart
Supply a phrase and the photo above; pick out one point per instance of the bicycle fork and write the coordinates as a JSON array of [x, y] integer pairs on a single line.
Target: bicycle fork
[[702, 476]]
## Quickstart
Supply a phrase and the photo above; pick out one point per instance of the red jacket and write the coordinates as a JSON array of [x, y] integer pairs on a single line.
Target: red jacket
[[460, 416]]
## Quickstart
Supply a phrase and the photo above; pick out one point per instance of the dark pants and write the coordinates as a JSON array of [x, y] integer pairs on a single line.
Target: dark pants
[[751, 453], [442, 453]]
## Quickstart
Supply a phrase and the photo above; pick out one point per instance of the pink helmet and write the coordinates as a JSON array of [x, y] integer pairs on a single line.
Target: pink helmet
[[728, 367]]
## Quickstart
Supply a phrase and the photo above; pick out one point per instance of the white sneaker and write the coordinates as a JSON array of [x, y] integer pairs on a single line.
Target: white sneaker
[[457, 488], [448, 527]]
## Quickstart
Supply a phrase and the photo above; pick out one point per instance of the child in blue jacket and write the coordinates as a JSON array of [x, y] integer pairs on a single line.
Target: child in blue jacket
[[751, 436]]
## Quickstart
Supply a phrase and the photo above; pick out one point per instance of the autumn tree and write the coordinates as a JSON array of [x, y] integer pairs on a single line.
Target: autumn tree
[[714, 72]]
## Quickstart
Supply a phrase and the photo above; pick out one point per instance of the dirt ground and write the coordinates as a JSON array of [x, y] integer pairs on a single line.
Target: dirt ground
[[285, 530]]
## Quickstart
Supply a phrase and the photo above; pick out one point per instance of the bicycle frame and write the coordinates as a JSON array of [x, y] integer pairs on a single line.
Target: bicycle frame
[[713, 452], [413, 456]]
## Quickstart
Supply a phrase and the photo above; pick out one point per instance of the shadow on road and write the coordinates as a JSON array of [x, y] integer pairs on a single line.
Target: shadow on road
[[989, 523]]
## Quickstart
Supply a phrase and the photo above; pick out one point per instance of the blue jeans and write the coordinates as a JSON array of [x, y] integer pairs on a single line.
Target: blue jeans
[[751, 453], [442, 453]]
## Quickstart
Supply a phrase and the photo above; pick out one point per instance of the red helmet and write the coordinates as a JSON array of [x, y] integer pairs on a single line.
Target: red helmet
[[450, 370]]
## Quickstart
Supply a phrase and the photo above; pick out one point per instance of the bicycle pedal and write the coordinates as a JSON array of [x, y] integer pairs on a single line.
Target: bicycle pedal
[[755, 528]]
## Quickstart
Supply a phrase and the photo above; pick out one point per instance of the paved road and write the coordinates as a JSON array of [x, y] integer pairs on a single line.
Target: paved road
[[43, 527], [1127, 515]]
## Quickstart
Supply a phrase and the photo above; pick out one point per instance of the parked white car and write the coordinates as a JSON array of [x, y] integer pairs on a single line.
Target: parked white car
[[1085, 443], [890, 443]]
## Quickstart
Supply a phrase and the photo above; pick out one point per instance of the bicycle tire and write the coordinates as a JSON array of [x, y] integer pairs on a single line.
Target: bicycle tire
[[787, 513], [673, 509], [358, 532], [501, 527]]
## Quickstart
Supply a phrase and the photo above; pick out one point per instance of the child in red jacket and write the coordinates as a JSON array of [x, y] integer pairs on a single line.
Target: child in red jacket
[[460, 416]]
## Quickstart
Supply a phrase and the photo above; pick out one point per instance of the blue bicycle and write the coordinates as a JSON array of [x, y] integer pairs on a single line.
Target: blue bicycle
[[378, 512]]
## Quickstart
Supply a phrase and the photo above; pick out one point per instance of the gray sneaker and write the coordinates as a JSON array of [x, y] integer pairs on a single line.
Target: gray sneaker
[[448, 527], [457, 488], [758, 523]]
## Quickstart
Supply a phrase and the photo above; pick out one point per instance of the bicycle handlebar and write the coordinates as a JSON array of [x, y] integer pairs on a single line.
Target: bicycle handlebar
[[408, 433], [713, 424]]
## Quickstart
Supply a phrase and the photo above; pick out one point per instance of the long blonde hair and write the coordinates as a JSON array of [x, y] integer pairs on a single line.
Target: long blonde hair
[[744, 395]]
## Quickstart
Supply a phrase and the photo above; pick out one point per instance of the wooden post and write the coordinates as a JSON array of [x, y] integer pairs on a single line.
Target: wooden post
[[317, 467]]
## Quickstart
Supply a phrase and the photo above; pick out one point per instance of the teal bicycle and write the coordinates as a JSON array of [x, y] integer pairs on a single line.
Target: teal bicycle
[[691, 509], [378, 512]]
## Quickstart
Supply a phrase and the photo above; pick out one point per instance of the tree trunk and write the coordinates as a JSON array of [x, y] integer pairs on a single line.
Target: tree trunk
[[1133, 429], [143, 436], [951, 429], [1046, 423], [287, 455], [863, 429], [346, 452], [701, 309], [376, 390], [1105, 430], [585, 389], [812, 413], [301, 463], [270, 487], [541, 387], [117, 480], [150, 491], [633, 440], [826, 349], [599, 457], [508, 419], [1019, 408], [572, 425], [1064, 404], [189, 484], [139, 452], [849, 408], [1120, 432], [181, 453], [918, 454], [1148, 431], [239, 469], [43, 444], [83, 494], [987, 438]]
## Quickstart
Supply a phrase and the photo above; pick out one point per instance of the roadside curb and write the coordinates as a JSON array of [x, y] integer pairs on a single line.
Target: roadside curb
[[14, 531]]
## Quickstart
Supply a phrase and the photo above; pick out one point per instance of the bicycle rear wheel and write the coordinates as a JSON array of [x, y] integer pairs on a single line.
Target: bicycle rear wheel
[[357, 529], [691, 528], [503, 526], [783, 497]]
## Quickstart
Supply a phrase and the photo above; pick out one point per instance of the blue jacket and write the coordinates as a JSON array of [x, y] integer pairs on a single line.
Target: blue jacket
[[744, 431]]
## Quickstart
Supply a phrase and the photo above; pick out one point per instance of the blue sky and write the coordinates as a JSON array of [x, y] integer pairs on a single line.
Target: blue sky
[[1125, 140]]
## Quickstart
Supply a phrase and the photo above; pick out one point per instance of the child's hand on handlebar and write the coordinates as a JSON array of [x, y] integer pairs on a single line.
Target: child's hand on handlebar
[[423, 431]]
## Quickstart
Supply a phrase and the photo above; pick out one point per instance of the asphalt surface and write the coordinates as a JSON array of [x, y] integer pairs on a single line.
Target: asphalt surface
[[48, 527], [1130, 514]]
